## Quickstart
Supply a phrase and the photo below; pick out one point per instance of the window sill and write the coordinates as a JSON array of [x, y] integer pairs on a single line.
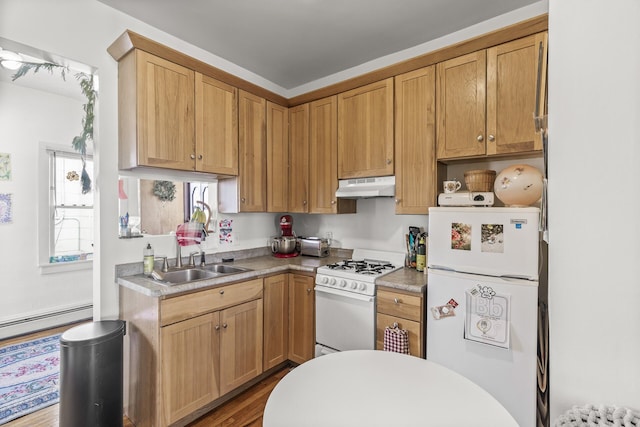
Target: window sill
[[63, 267]]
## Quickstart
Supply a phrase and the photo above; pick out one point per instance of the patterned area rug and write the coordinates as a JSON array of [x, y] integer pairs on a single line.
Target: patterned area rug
[[29, 377]]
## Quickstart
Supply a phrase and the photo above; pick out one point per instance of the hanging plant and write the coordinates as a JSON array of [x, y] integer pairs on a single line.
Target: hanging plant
[[164, 190], [81, 141]]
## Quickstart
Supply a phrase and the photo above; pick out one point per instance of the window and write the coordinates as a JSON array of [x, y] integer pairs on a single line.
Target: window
[[70, 216]]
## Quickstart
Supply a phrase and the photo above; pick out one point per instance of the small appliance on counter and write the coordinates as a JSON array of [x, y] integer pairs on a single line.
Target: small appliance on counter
[[286, 245], [314, 246]]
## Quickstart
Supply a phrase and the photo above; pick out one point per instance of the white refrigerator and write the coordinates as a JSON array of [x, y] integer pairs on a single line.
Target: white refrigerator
[[482, 298]]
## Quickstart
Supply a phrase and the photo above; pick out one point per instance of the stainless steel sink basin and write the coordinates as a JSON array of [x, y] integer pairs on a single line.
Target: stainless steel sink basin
[[225, 269], [187, 275]]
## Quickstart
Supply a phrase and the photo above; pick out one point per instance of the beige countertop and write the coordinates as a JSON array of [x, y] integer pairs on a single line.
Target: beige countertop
[[266, 265]]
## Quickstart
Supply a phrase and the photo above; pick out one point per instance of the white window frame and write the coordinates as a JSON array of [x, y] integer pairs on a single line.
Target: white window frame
[[45, 226]]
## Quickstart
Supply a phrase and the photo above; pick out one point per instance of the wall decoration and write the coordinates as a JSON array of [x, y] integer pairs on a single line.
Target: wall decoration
[[225, 231], [6, 216], [164, 190], [5, 167]]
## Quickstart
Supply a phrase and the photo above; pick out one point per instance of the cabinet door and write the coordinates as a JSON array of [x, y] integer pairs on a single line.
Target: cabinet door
[[216, 126], [365, 131], [461, 98], [416, 186], [165, 116], [241, 344], [323, 151], [302, 338], [416, 347], [512, 71], [276, 320], [277, 157], [299, 159], [253, 152], [190, 351]]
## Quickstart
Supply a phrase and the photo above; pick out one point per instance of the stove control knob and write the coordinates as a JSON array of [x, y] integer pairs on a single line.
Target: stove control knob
[[343, 283], [324, 280], [363, 286], [332, 281], [354, 285]]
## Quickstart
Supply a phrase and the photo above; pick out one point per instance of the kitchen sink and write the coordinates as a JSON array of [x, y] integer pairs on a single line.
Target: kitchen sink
[[186, 275], [225, 269]]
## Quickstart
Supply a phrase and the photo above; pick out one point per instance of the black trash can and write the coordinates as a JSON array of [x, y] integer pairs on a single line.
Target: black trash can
[[91, 380]]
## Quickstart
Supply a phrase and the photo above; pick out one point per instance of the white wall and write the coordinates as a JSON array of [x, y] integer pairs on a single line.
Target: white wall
[[594, 256], [29, 117]]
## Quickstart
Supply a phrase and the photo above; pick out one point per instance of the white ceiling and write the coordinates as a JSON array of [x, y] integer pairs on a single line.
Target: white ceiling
[[294, 42]]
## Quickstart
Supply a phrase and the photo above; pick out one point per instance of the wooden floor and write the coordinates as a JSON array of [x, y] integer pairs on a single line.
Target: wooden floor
[[245, 410]]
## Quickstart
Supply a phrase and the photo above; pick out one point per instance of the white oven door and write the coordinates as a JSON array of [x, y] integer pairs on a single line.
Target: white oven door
[[344, 320]]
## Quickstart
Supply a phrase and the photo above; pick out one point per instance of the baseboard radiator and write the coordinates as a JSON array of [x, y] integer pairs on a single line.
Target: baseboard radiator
[[45, 320]]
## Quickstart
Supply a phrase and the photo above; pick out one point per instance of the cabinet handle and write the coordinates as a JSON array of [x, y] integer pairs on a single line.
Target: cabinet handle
[[222, 292], [389, 161], [304, 202], [224, 325], [397, 201], [308, 290], [200, 157], [492, 138], [193, 156], [242, 199], [217, 327], [480, 138], [396, 300], [333, 202]]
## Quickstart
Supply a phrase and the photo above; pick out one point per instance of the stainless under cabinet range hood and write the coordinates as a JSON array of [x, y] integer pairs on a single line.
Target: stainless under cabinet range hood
[[359, 188]]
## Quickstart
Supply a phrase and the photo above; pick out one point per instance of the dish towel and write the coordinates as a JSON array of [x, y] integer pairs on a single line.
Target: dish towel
[[396, 339]]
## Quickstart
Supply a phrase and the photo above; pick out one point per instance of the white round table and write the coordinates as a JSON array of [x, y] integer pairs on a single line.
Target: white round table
[[378, 388]]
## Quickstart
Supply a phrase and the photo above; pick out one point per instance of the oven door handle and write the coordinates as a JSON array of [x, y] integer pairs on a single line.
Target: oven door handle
[[365, 298]]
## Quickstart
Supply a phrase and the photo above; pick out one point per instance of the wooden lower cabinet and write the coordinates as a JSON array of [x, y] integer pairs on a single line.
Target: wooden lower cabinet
[[302, 339], [276, 320], [182, 353], [406, 309]]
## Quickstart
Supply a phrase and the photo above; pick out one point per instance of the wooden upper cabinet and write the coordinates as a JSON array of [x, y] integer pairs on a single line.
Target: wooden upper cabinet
[[365, 131], [323, 159], [486, 100], [277, 157], [253, 152], [299, 159], [156, 113], [461, 102], [415, 115], [512, 93], [216, 126]]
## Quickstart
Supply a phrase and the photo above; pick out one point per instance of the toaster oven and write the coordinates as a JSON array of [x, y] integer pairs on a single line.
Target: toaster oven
[[314, 246]]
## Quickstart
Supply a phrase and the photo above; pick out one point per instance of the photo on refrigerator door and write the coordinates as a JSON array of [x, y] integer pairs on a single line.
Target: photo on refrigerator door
[[487, 317], [460, 236], [492, 239]]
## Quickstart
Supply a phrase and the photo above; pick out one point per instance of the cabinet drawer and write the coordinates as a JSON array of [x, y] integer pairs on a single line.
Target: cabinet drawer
[[399, 304], [184, 307], [413, 328]]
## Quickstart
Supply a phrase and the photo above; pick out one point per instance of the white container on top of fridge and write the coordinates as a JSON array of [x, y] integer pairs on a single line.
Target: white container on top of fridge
[[482, 299]]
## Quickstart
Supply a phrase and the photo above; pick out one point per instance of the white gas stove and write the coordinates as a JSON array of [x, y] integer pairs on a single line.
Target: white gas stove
[[359, 273], [345, 300]]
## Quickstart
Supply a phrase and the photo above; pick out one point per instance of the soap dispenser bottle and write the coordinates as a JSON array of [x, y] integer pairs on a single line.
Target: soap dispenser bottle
[[147, 260]]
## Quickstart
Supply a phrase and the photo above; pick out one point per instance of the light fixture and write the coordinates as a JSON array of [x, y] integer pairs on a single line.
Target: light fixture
[[10, 60]]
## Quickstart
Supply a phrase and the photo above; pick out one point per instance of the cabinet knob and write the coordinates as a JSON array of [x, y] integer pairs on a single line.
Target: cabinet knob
[[217, 327], [224, 325], [492, 138], [242, 199], [389, 161], [396, 300], [333, 202], [304, 202], [308, 290], [200, 157], [222, 292], [193, 156], [397, 201], [480, 138]]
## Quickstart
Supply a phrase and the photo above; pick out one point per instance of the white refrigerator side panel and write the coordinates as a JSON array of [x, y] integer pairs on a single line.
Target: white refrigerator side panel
[[508, 374], [488, 241]]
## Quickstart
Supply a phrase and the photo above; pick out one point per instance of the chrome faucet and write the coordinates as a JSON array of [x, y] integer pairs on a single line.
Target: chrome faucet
[[178, 254]]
